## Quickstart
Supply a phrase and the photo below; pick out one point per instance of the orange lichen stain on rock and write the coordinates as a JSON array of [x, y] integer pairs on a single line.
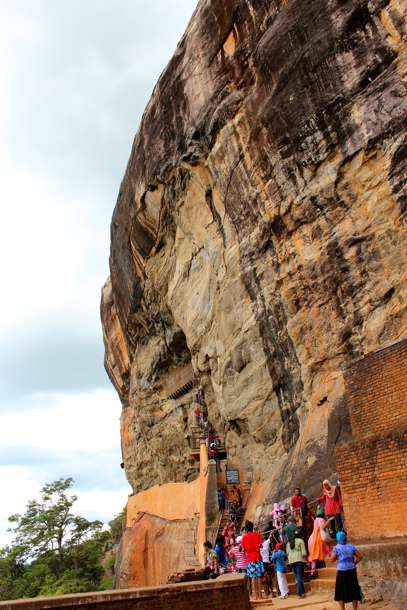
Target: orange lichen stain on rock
[[389, 25], [254, 501], [125, 419], [117, 361], [229, 44]]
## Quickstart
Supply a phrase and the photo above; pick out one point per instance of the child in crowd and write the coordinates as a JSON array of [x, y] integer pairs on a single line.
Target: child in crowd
[[239, 556], [225, 531], [222, 553], [280, 558], [233, 514], [211, 569], [268, 568], [229, 531]]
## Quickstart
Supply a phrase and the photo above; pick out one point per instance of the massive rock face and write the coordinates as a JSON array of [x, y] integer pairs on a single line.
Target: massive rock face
[[260, 230]]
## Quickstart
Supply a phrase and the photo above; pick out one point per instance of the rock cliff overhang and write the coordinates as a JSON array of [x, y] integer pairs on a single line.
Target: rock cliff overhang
[[260, 232]]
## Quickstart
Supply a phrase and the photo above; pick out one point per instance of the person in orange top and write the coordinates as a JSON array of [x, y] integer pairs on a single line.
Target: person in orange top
[[235, 496], [319, 548]]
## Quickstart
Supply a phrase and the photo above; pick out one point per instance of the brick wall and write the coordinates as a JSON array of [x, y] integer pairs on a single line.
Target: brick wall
[[373, 468], [228, 592], [376, 389], [373, 474]]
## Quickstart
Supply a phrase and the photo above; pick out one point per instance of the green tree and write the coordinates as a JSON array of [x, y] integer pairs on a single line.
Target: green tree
[[116, 524], [54, 551], [12, 569]]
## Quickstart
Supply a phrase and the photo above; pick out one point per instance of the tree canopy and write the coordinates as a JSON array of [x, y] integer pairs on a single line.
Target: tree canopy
[[54, 551]]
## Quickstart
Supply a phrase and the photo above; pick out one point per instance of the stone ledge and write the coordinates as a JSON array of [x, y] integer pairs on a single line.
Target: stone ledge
[[384, 558], [381, 541], [228, 581]]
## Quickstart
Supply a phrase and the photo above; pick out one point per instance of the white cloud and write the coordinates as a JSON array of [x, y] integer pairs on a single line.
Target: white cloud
[[75, 77], [73, 423], [43, 241], [102, 505]]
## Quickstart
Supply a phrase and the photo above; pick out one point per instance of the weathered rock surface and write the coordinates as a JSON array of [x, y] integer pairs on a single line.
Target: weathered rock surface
[[150, 552], [260, 230]]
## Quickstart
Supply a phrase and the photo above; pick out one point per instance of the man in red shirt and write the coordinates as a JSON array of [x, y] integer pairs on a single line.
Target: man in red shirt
[[197, 416], [252, 542], [296, 502]]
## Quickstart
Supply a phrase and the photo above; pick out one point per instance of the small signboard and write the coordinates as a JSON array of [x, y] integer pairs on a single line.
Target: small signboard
[[232, 477]]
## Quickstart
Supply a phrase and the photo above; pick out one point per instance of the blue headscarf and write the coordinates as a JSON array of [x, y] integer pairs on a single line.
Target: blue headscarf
[[341, 537]]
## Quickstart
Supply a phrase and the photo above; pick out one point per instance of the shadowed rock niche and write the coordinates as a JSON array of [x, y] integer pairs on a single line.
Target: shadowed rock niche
[[260, 232]]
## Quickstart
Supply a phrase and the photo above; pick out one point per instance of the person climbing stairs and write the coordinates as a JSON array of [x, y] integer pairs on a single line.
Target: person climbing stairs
[[325, 577]]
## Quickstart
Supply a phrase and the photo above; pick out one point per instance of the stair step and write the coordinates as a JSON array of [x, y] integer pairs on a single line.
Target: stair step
[[292, 587], [327, 573], [291, 576], [322, 585]]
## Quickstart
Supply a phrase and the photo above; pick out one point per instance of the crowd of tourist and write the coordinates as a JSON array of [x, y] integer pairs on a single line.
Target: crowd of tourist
[[206, 431], [295, 538]]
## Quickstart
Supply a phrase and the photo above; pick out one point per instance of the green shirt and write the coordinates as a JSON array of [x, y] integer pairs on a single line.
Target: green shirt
[[211, 556], [298, 552], [289, 530]]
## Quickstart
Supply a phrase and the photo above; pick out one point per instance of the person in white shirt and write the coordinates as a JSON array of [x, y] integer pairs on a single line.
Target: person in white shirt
[[268, 576]]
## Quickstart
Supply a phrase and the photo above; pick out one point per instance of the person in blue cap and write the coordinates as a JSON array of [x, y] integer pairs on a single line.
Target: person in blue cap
[[347, 587]]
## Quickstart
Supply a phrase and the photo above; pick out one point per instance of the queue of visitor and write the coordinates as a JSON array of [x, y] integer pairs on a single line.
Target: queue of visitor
[[296, 538]]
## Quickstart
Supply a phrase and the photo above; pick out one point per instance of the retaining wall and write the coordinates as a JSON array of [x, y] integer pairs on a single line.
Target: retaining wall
[[228, 592], [373, 467]]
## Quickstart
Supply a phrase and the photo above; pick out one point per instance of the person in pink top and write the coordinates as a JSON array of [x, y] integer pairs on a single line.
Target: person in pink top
[[333, 505], [239, 555], [275, 513]]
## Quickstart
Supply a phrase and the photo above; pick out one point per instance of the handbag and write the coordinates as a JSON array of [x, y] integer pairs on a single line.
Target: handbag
[[325, 535]]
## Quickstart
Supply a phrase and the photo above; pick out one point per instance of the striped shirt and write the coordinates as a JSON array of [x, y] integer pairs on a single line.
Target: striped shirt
[[241, 563], [297, 553]]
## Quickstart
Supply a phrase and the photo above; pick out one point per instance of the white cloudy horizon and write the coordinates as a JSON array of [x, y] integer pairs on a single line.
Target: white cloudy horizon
[[75, 78]]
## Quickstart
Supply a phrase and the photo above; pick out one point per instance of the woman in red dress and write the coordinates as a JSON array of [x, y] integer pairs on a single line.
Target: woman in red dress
[[333, 504]]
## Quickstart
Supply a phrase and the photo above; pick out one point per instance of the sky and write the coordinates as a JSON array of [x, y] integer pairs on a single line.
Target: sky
[[75, 77]]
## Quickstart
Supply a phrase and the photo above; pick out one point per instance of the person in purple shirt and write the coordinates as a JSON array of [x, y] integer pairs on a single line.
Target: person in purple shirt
[[347, 586]]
